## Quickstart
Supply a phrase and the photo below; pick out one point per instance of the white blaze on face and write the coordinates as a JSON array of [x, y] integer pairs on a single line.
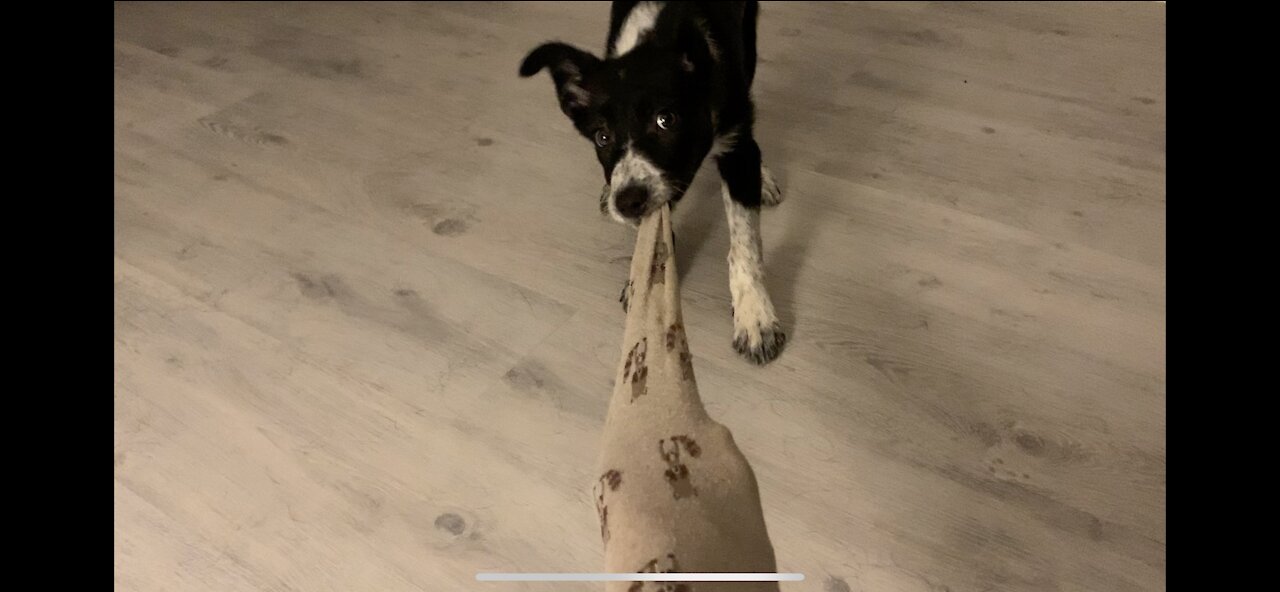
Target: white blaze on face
[[633, 169], [639, 21]]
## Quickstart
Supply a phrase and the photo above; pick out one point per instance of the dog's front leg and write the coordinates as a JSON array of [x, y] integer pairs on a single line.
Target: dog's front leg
[[757, 335]]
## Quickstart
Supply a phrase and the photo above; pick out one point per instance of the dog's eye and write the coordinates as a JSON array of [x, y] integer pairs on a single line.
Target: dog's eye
[[603, 138], [666, 120]]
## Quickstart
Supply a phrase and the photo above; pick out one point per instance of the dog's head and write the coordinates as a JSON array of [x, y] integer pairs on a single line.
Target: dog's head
[[645, 113]]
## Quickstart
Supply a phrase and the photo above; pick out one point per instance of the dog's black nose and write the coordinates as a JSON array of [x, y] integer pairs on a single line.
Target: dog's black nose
[[631, 201]]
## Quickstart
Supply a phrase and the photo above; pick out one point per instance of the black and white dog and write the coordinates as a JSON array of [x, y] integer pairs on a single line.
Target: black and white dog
[[674, 88]]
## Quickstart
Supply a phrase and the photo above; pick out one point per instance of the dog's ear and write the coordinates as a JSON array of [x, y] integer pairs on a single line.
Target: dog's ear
[[569, 67]]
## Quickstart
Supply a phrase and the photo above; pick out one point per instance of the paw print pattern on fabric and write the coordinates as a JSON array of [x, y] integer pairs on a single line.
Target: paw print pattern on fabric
[[666, 564], [635, 371], [658, 268], [676, 337], [677, 473], [609, 481]]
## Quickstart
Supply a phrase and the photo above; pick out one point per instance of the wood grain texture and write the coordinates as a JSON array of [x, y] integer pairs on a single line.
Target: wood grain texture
[[366, 309]]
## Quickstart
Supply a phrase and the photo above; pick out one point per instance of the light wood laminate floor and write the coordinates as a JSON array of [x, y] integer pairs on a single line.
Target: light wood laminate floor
[[366, 314]]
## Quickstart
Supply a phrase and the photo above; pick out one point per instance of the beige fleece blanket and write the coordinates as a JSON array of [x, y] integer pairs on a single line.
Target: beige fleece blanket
[[674, 493]]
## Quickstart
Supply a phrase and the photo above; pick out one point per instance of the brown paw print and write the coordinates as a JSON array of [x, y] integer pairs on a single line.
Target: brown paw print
[[675, 335], [635, 371], [625, 297], [658, 268], [609, 481], [660, 587], [677, 473], [686, 365], [665, 564]]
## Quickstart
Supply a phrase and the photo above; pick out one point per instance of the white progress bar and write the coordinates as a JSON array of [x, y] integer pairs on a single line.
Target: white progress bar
[[639, 577]]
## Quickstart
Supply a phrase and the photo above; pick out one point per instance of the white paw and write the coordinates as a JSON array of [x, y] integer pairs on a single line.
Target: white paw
[[770, 193], [757, 335], [758, 343]]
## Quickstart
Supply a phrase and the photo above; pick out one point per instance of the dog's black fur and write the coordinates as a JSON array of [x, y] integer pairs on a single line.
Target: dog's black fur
[[674, 87]]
